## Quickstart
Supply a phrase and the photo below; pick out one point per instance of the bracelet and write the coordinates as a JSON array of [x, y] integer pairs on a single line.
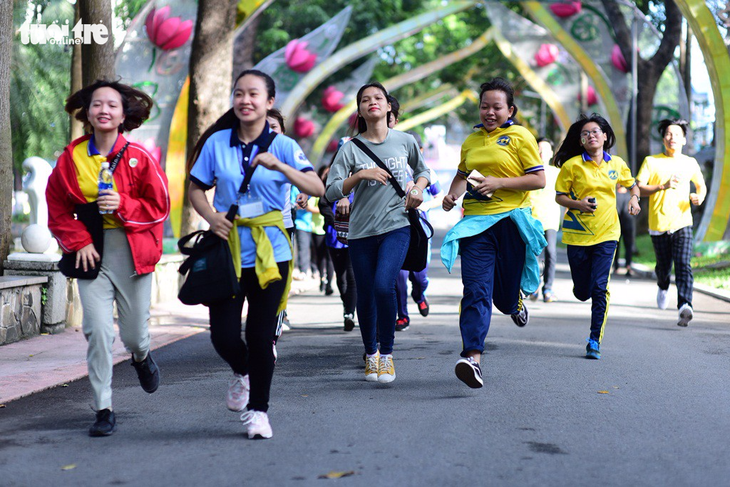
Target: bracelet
[[415, 191], [638, 199]]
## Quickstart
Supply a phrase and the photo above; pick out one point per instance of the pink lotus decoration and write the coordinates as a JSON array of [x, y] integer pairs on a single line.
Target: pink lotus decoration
[[167, 32], [332, 146], [566, 9], [154, 151], [547, 54], [303, 127], [332, 99], [591, 95], [618, 60], [298, 58]]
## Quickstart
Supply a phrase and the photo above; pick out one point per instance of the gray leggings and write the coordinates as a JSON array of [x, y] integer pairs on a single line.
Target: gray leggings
[[116, 282]]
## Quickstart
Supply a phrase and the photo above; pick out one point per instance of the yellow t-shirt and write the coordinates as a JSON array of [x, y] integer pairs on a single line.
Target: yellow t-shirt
[[88, 164], [580, 177], [506, 152], [544, 207], [670, 209]]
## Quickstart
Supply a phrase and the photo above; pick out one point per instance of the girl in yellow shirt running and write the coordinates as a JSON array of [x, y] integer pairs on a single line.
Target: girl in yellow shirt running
[[586, 186], [665, 179]]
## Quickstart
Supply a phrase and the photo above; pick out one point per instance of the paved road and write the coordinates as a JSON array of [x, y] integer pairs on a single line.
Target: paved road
[[654, 411]]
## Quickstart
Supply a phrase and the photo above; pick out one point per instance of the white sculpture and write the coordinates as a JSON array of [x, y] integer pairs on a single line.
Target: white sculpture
[[36, 238]]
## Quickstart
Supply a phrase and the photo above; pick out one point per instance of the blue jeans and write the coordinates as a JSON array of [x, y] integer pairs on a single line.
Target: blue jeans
[[376, 262]]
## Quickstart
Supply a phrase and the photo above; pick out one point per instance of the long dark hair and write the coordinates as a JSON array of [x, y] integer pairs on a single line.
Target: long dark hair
[[500, 84], [572, 147], [135, 104], [229, 120], [394, 113], [362, 127]]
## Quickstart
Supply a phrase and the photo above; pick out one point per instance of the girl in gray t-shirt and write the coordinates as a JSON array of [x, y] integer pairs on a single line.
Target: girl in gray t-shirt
[[379, 230]]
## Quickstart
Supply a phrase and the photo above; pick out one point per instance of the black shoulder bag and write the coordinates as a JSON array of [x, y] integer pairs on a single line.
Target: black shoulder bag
[[211, 276], [417, 256], [88, 214]]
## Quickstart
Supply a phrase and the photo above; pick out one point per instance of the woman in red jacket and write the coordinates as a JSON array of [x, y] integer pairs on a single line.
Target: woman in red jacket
[[133, 213]]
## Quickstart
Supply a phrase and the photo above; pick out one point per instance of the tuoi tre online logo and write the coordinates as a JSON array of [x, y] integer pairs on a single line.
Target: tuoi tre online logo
[[59, 34]]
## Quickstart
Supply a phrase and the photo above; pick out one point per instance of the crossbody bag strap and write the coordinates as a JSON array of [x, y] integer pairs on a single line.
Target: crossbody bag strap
[[117, 158], [380, 164], [249, 174], [233, 209]]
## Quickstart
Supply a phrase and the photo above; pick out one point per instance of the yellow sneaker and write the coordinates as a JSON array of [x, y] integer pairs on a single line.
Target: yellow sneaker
[[371, 367], [386, 369]]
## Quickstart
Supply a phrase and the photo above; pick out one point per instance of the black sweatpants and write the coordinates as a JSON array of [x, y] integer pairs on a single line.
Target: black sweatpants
[[255, 355]]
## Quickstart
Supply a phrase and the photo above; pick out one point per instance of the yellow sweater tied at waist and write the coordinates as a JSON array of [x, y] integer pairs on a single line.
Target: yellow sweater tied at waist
[[267, 270]]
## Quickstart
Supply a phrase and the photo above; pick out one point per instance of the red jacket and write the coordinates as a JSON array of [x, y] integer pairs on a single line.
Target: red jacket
[[144, 202]]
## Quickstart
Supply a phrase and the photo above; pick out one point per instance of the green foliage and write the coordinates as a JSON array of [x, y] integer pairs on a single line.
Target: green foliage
[[39, 85], [285, 20]]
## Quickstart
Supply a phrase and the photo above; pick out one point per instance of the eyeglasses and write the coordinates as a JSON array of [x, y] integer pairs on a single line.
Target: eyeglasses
[[595, 132]]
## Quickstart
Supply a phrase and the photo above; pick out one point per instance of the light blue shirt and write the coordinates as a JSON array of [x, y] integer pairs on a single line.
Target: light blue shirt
[[220, 165], [530, 230]]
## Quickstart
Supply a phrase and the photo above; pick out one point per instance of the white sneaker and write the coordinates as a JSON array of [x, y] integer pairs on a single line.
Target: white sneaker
[[257, 424], [661, 298], [685, 315], [238, 392]]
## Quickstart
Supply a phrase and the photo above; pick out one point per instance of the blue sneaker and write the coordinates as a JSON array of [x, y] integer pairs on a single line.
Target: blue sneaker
[[593, 349]]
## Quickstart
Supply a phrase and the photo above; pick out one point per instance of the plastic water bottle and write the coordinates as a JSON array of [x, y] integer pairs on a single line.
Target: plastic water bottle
[[106, 181]]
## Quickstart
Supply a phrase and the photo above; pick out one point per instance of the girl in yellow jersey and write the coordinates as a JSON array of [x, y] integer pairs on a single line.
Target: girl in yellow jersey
[[586, 186], [498, 239], [665, 179]]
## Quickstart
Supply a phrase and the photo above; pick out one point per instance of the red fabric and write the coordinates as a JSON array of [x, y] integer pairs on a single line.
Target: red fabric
[[144, 203]]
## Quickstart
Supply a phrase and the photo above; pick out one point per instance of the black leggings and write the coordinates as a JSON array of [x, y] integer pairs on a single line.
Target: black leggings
[[322, 258], [345, 278], [255, 356]]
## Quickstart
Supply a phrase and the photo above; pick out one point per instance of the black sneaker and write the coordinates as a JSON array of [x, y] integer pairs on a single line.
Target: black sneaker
[[402, 324], [349, 322], [522, 317], [148, 373], [469, 372], [423, 307], [105, 425]]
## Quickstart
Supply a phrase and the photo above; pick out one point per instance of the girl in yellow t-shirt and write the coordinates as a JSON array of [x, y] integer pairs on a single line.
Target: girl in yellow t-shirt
[[665, 179], [586, 186], [497, 214]]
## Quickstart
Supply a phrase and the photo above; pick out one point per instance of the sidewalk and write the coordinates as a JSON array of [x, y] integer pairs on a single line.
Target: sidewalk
[[46, 361]]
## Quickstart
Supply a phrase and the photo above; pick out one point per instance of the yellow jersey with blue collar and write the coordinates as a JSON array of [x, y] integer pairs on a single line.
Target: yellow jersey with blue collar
[[580, 177], [87, 160], [506, 152]]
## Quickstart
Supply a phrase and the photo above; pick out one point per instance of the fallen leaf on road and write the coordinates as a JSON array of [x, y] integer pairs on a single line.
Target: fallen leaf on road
[[2, 406], [69, 467], [603, 392], [64, 385], [29, 356], [336, 475], [305, 395]]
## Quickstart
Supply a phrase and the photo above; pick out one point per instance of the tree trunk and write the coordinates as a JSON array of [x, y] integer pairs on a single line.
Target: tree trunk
[[649, 70], [6, 146], [243, 48], [97, 59], [76, 127], [211, 61]]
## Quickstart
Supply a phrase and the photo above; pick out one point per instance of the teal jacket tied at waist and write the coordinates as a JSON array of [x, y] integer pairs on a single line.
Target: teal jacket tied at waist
[[530, 230]]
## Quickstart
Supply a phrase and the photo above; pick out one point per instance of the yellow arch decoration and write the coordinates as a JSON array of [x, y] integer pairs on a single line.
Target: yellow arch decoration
[[714, 224], [542, 15], [436, 112]]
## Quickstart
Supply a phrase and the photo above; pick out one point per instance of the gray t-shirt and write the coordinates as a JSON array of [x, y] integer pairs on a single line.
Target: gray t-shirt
[[377, 209]]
